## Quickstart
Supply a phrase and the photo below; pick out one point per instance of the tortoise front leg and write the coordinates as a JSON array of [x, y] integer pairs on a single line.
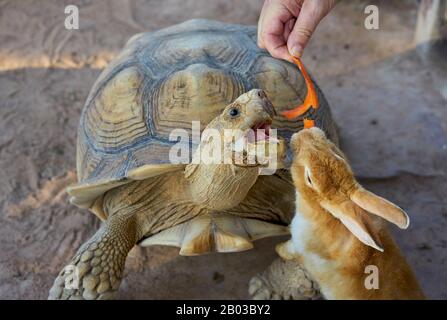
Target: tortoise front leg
[[96, 270], [283, 280]]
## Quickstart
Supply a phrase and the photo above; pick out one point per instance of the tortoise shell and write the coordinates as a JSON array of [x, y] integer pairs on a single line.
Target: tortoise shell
[[163, 81]]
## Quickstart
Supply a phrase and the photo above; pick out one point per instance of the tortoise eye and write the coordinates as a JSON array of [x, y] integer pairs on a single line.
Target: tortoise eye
[[234, 112]]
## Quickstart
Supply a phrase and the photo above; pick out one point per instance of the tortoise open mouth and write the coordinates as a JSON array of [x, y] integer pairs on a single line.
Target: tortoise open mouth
[[261, 132]]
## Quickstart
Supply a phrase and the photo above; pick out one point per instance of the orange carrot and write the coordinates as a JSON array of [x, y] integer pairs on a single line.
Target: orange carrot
[[308, 123], [311, 100]]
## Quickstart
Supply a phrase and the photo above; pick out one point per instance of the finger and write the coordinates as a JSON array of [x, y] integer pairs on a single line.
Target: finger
[[304, 27], [272, 31], [276, 45], [261, 25], [260, 31], [280, 52], [288, 28]]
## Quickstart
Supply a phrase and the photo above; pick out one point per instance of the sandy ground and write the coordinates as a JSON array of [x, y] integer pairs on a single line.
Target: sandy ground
[[388, 99]]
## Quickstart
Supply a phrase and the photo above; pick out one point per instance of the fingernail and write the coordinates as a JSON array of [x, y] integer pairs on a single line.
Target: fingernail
[[296, 51]]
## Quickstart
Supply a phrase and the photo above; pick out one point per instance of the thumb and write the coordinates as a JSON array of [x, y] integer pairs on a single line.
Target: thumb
[[305, 25]]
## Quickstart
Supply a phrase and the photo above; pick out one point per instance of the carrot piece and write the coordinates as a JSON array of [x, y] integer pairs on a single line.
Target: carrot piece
[[308, 123], [311, 100]]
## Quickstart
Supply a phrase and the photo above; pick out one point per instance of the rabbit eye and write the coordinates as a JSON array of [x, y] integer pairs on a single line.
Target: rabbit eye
[[307, 176]]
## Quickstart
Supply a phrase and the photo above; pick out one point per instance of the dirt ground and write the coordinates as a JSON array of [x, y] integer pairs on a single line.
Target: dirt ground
[[388, 98]]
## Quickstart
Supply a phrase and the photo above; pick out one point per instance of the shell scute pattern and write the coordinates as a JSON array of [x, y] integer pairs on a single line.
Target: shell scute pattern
[[115, 118]]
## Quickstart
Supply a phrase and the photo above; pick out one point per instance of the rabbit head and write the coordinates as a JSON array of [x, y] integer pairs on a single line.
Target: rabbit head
[[322, 175]]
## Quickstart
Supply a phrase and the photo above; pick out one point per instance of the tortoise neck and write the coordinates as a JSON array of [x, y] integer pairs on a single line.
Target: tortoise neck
[[220, 186]]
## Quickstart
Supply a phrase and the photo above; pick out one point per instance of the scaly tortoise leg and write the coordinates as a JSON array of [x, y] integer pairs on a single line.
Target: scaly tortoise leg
[[96, 270], [284, 279]]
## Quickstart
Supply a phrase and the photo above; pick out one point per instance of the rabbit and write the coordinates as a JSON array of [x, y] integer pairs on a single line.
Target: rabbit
[[336, 233]]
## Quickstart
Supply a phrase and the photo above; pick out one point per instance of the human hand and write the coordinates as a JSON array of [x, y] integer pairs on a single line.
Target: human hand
[[285, 26]]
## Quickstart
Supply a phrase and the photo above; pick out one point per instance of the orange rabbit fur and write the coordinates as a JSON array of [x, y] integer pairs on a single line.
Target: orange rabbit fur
[[336, 231]]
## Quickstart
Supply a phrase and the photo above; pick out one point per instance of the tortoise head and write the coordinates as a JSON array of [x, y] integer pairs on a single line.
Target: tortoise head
[[252, 110], [244, 127]]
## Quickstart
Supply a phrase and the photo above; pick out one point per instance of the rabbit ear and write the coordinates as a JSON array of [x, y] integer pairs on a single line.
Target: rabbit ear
[[380, 207], [356, 220]]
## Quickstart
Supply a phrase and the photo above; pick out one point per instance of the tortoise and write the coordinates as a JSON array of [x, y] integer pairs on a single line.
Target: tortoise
[[204, 71]]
